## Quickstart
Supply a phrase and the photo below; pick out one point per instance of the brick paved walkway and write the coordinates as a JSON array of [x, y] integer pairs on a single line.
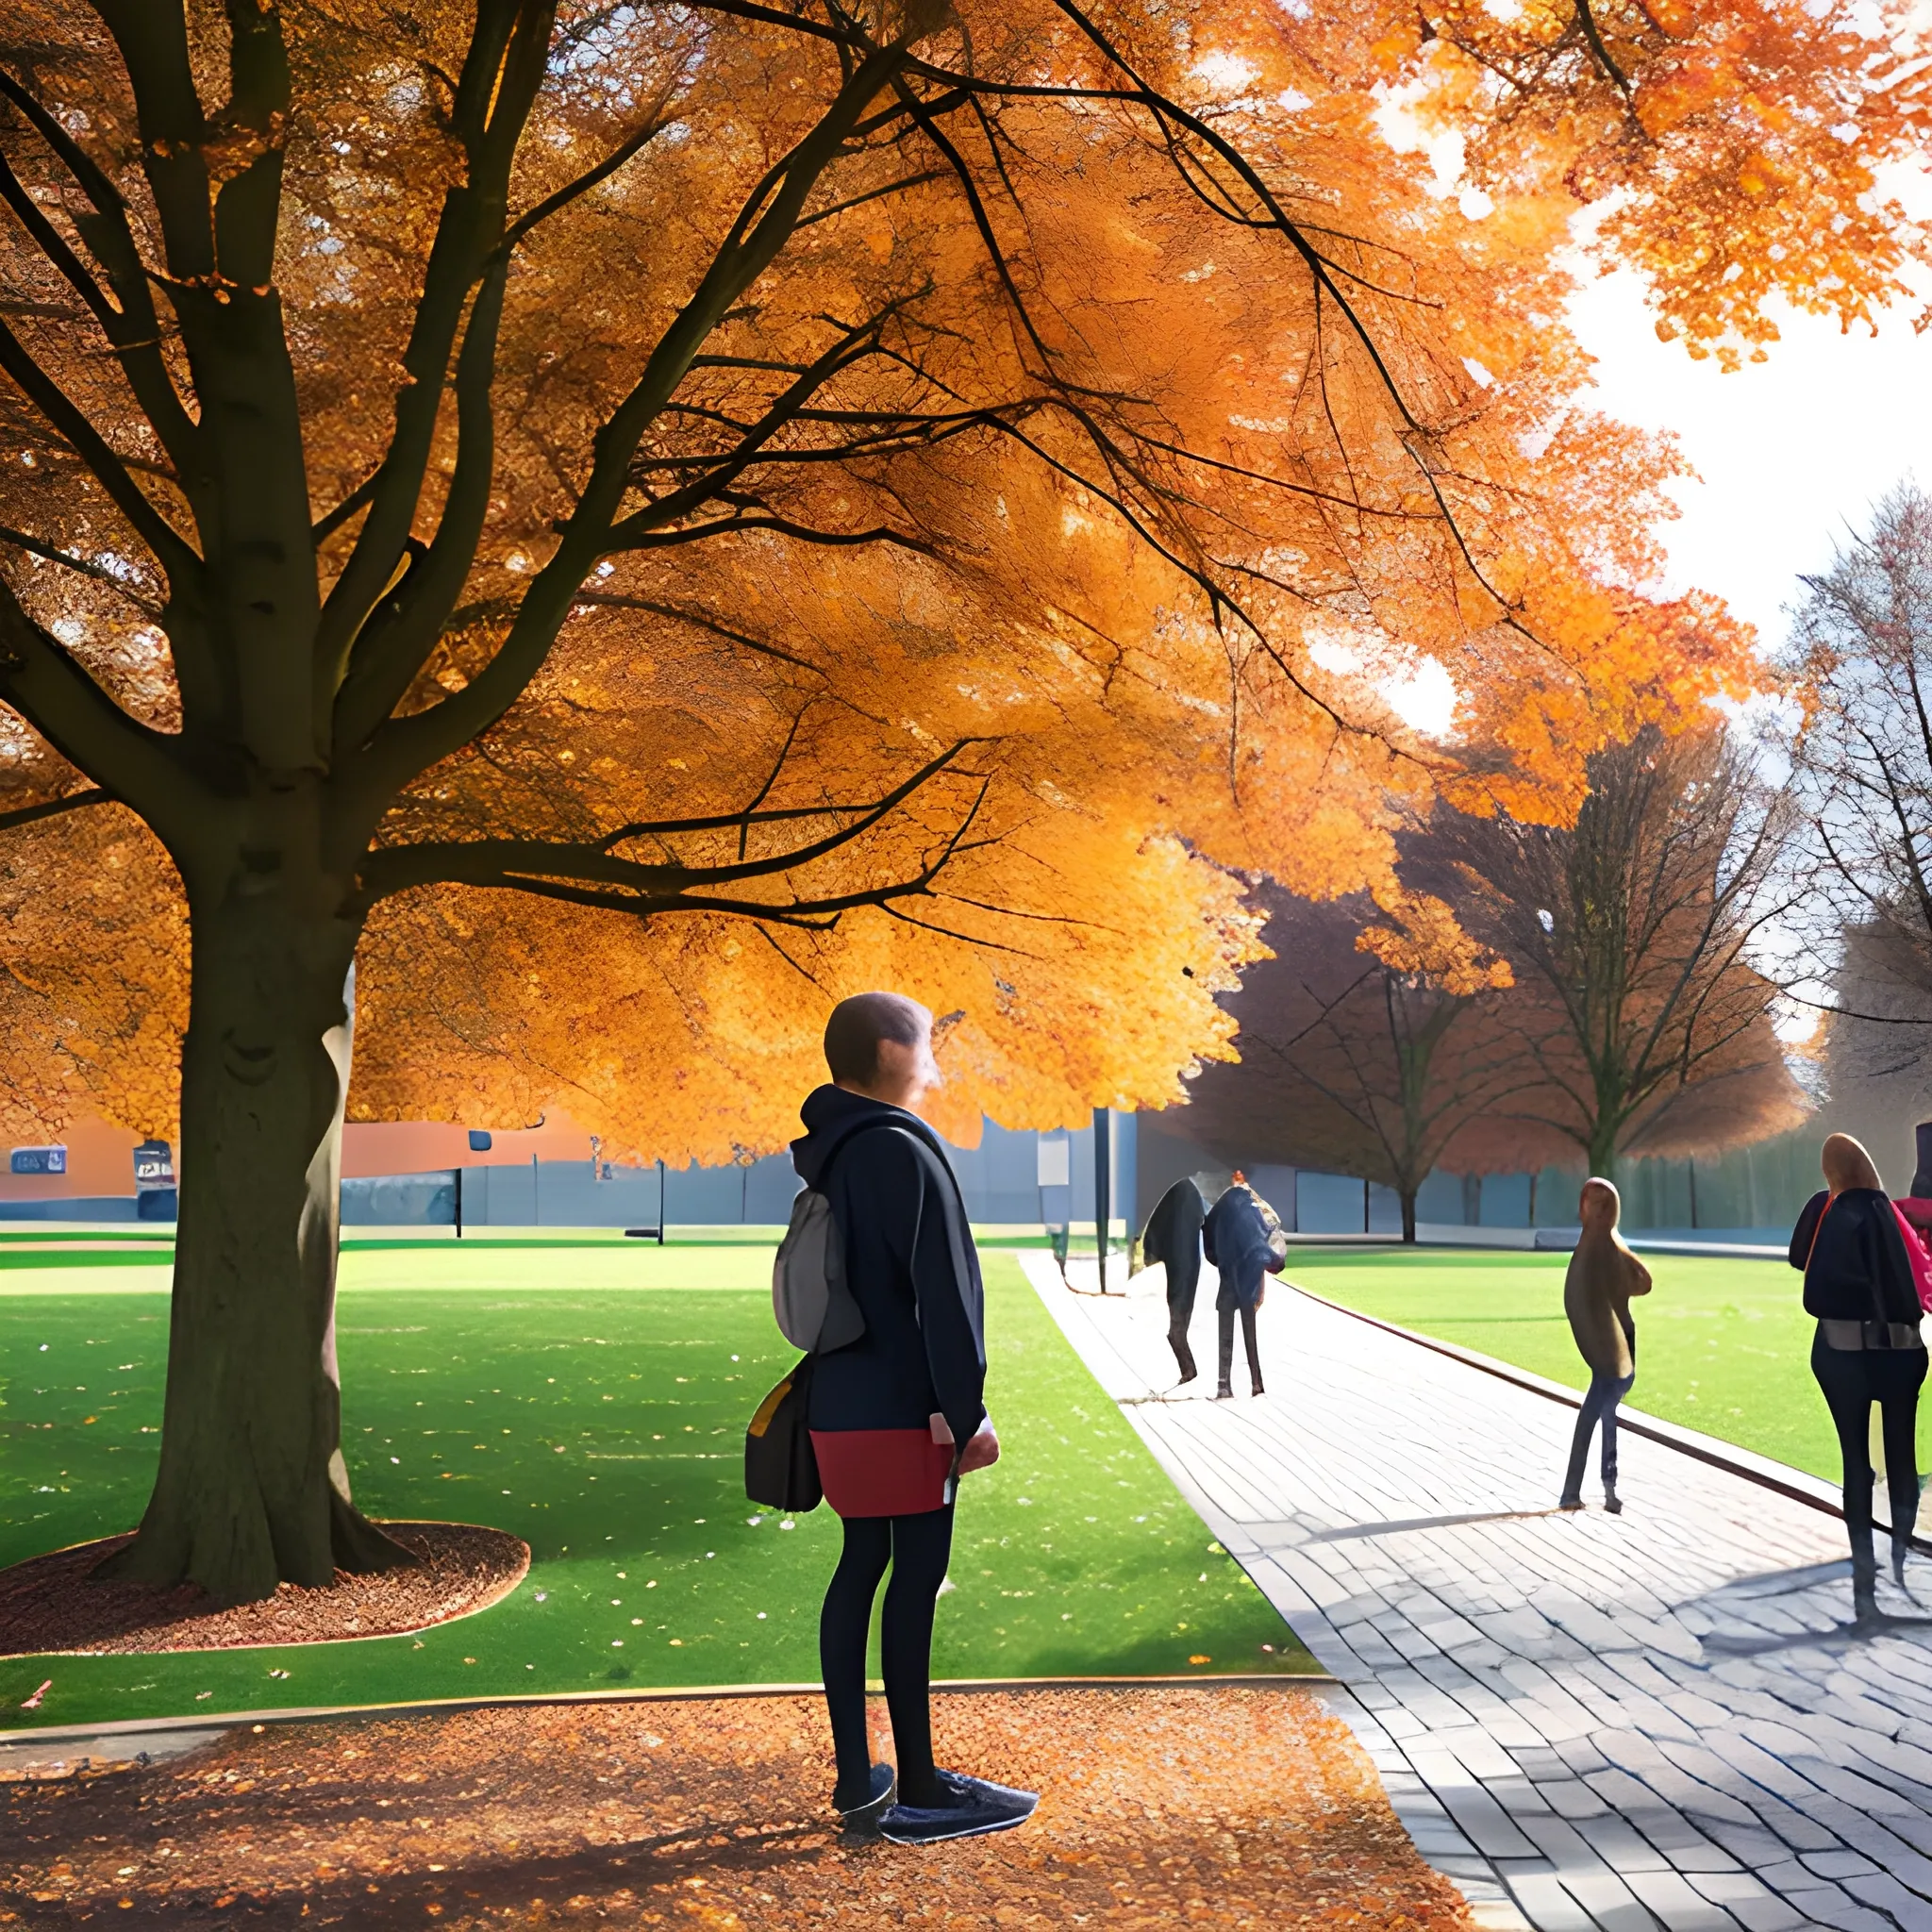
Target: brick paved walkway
[[1657, 1719]]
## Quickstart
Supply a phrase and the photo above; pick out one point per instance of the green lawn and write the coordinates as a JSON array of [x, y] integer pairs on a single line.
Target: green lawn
[[1723, 1345], [594, 1402]]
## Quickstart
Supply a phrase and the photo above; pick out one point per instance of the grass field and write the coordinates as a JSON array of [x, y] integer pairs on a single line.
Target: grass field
[[592, 1398], [1722, 1344]]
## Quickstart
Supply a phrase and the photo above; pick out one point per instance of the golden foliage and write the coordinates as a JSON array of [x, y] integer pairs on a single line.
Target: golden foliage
[[1085, 483]]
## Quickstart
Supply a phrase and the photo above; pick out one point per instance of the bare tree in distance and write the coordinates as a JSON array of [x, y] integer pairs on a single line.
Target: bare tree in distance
[[1370, 1045], [1861, 644], [1629, 934]]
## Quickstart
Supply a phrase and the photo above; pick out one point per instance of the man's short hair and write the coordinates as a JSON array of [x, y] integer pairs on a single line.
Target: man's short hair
[[856, 1027]]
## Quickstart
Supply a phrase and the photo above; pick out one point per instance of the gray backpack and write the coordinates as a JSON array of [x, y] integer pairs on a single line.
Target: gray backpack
[[815, 1308]]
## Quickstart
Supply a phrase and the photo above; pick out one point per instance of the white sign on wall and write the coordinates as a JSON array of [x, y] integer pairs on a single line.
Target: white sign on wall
[[1056, 1157]]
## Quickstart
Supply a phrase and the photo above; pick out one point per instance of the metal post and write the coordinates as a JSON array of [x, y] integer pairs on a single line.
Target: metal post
[[460, 1204], [1365, 1207], [660, 1204], [1103, 1188], [536, 1193]]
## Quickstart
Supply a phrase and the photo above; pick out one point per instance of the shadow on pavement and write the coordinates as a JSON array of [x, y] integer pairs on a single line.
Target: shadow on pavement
[[1839, 1637], [1361, 1529]]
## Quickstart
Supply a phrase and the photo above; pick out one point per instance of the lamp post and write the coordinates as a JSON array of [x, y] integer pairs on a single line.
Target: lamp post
[[1103, 1188]]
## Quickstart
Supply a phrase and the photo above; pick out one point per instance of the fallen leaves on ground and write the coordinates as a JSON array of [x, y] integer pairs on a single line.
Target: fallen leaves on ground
[[54, 1604], [1224, 1806]]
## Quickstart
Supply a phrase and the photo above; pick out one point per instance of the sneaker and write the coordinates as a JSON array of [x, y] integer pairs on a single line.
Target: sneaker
[[973, 1808], [865, 1817]]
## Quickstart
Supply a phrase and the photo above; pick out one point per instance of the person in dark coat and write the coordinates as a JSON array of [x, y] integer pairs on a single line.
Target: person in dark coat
[[898, 1416], [1868, 1348], [1236, 1238], [1172, 1238]]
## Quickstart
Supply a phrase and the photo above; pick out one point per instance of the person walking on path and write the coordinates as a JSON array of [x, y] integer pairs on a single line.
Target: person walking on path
[[897, 1416], [1602, 1277], [1172, 1238], [1860, 1284], [1241, 1239]]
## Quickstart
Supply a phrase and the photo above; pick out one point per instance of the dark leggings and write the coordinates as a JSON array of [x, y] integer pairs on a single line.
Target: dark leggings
[[1853, 1379], [919, 1549]]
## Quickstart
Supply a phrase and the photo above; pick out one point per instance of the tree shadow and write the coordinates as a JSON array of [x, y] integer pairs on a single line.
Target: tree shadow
[[535, 1885]]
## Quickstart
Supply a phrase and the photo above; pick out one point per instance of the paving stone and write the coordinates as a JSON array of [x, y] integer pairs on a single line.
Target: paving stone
[[1546, 1904], [1677, 1904], [1837, 1864], [1882, 1890], [1834, 1908], [1753, 1905], [1551, 1700]]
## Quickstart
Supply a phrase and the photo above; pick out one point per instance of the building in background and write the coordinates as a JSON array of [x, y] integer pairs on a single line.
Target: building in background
[[420, 1172]]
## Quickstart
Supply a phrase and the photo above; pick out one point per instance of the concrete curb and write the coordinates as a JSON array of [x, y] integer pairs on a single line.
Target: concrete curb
[[143, 1739]]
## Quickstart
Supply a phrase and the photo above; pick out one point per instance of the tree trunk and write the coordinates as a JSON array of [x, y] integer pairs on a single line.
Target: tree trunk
[[252, 1489], [1602, 1153], [1408, 1214]]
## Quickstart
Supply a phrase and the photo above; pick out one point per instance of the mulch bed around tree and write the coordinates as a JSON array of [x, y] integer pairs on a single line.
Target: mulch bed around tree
[[1220, 1807], [52, 1604]]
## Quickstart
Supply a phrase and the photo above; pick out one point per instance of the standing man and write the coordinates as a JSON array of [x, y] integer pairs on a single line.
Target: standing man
[[897, 1416], [1239, 1237], [1172, 1238], [1602, 1277]]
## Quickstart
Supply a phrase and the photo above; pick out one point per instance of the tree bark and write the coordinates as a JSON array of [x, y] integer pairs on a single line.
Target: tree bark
[[252, 1488], [1408, 1214]]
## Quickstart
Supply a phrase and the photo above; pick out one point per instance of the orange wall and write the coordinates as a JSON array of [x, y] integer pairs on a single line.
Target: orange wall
[[100, 1161], [370, 1147], [100, 1157]]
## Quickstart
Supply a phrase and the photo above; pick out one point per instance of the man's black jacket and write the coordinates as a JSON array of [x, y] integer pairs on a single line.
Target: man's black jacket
[[911, 1262]]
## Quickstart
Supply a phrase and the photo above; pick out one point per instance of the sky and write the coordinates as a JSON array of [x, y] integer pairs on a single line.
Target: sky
[[1789, 453]]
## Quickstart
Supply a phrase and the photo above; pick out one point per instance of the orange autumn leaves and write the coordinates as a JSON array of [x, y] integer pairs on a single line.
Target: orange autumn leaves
[[1143, 454]]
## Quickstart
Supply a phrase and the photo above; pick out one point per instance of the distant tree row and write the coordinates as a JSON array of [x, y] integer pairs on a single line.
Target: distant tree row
[[1539, 995], [1569, 995]]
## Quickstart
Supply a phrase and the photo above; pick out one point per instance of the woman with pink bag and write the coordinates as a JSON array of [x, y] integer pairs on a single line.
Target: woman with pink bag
[[1863, 1284]]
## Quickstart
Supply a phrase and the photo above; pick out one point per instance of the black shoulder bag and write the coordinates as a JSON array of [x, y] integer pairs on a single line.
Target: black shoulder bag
[[780, 1469]]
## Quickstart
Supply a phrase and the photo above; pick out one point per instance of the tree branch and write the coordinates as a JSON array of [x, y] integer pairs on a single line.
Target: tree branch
[[52, 807]]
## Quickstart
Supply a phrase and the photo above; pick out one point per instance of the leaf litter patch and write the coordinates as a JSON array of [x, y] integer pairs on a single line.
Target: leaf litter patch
[[54, 1604], [1212, 1807]]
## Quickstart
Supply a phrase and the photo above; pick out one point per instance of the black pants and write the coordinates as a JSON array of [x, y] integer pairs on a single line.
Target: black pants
[[1247, 1315], [1853, 1379], [919, 1549], [1599, 1406]]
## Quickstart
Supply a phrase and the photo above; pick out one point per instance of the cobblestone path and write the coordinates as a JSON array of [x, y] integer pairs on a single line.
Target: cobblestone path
[[1660, 1718]]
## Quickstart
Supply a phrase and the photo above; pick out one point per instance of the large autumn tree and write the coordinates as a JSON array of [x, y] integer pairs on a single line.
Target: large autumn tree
[[624, 522]]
